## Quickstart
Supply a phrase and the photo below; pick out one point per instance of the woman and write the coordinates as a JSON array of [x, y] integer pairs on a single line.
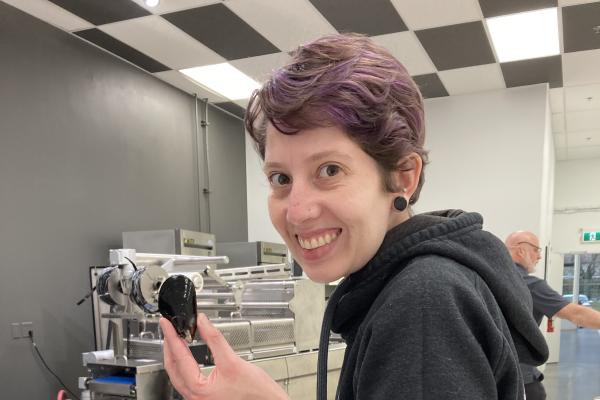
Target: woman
[[430, 305]]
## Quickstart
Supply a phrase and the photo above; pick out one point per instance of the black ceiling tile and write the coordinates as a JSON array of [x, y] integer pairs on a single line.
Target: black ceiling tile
[[103, 12], [430, 85], [535, 70], [372, 17], [578, 27], [494, 8], [224, 32], [122, 50], [457, 46], [232, 107]]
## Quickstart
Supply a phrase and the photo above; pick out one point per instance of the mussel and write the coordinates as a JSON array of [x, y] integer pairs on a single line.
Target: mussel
[[177, 303]]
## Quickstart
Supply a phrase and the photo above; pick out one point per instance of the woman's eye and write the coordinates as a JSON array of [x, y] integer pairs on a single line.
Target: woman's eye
[[329, 170], [279, 179]]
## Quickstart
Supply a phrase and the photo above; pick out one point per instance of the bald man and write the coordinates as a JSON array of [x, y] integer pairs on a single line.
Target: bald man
[[524, 247]]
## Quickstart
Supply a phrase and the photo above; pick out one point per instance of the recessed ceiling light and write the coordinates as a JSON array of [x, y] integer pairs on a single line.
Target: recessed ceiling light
[[525, 35], [223, 79], [151, 3]]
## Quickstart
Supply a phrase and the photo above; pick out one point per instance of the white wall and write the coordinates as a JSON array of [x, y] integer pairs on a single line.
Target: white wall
[[576, 189], [492, 153], [259, 223], [548, 172]]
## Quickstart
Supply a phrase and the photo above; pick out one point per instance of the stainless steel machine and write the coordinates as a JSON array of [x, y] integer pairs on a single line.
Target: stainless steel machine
[[242, 254], [268, 316], [171, 241]]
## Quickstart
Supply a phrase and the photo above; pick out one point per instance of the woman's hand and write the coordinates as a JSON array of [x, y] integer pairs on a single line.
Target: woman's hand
[[231, 379]]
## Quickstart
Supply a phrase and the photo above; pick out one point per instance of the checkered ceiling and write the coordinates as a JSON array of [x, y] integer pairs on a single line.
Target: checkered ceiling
[[445, 45]]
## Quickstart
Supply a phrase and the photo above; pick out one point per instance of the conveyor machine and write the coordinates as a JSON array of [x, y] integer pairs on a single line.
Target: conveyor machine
[[268, 317]]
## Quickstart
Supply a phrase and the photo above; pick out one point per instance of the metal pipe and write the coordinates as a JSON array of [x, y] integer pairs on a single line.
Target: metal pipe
[[206, 190], [276, 270], [222, 295], [216, 307], [283, 284], [179, 258], [198, 164], [210, 284], [266, 305]]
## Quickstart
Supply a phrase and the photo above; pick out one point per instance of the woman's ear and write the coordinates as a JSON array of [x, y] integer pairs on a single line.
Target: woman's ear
[[407, 174]]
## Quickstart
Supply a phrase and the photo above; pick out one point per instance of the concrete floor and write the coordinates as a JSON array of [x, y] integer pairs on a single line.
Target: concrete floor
[[577, 375]]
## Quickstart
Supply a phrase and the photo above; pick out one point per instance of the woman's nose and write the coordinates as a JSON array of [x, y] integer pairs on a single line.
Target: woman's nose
[[303, 205]]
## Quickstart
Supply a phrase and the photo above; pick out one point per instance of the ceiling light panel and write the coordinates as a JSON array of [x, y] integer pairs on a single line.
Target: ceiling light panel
[[223, 79], [525, 35]]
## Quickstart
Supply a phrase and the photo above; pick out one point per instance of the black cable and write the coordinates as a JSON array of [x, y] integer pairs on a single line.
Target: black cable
[[91, 292], [132, 263], [48, 368]]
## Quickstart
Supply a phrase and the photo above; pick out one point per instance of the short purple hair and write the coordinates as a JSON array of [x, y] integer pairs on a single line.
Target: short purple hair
[[346, 81]]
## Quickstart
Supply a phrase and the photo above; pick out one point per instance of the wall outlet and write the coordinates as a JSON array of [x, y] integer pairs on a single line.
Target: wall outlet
[[25, 328], [15, 328]]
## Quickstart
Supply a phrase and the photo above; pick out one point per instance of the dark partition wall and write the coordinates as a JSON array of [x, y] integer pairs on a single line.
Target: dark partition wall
[[90, 146]]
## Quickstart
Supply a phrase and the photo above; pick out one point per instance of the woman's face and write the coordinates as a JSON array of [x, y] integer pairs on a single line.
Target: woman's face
[[327, 200]]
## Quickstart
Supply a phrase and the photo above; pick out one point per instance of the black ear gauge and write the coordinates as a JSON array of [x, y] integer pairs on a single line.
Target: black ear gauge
[[400, 203]]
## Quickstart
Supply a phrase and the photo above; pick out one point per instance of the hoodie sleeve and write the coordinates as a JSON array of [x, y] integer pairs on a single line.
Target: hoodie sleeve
[[437, 333]]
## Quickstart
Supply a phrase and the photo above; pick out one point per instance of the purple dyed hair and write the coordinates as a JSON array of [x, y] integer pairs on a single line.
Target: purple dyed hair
[[346, 81]]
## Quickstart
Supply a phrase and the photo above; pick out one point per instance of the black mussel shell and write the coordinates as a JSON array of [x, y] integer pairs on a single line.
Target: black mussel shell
[[177, 303]]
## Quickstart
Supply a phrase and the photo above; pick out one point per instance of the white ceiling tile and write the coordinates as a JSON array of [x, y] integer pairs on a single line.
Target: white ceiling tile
[[581, 67], [584, 138], [556, 100], [167, 6], [260, 67], [576, 153], [422, 14], [408, 50], [586, 97], [164, 42], [560, 140], [583, 121], [558, 123], [564, 3], [472, 79], [180, 81], [560, 153], [285, 23], [51, 13]]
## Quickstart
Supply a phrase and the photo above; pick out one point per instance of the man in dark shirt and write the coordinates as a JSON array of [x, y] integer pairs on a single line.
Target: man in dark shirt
[[524, 247]]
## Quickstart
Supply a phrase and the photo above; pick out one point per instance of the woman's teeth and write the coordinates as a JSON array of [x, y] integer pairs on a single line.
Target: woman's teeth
[[317, 241]]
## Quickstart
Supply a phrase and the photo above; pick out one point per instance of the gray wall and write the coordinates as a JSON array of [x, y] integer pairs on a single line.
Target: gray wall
[[224, 211], [89, 147]]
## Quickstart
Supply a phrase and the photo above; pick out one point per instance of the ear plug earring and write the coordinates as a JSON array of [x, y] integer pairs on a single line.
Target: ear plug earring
[[400, 203]]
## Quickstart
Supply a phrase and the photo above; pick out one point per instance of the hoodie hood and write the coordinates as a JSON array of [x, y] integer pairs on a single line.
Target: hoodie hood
[[456, 235]]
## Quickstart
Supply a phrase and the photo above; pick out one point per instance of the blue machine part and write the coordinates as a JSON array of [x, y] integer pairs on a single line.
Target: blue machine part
[[126, 380]]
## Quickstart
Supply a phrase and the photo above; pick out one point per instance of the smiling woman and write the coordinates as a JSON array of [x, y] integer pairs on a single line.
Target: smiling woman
[[428, 302]]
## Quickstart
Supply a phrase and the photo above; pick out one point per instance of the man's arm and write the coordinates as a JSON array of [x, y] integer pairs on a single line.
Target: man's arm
[[580, 315]]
